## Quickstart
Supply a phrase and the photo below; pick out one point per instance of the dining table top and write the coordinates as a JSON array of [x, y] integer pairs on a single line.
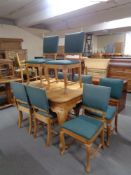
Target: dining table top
[[56, 92]]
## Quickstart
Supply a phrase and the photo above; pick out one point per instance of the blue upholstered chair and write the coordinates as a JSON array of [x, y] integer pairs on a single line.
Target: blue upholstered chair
[[50, 46], [41, 110], [86, 128], [74, 43], [116, 86], [22, 103]]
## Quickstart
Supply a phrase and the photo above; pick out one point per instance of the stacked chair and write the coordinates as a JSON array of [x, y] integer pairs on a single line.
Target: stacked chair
[[87, 128], [50, 47], [73, 45]]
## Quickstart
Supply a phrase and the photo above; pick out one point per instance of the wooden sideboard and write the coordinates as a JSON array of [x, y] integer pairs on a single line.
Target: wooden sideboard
[[96, 67], [10, 46], [120, 67]]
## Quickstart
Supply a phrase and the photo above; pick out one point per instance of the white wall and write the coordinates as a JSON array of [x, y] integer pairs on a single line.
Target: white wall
[[102, 41], [32, 43]]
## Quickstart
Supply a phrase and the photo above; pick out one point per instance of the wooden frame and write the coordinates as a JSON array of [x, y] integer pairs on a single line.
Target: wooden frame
[[65, 69], [38, 67], [108, 123], [86, 142], [44, 119], [21, 109]]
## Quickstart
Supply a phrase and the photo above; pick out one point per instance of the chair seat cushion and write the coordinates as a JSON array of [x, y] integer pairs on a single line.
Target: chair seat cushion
[[83, 126], [109, 114], [25, 105], [63, 62], [36, 61], [50, 115]]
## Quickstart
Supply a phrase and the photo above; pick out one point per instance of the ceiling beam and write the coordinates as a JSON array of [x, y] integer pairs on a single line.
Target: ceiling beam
[[7, 21]]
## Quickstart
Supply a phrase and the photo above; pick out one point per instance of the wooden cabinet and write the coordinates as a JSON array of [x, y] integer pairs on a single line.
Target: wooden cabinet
[[121, 68], [10, 46], [97, 68]]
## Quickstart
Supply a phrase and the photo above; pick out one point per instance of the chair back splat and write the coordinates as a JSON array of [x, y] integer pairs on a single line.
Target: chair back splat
[[19, 92], [38, 98], [96, 97], [74, 43], [116, 86], [50, 44]]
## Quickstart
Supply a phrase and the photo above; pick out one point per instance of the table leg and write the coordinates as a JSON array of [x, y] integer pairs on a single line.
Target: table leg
[[8, 93]]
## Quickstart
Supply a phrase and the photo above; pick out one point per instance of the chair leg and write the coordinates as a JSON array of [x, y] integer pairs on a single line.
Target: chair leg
[[116, 123], [20, 116], [108, 133], [49, 135], [88, 154], [62, 142], [30, 123], [102, 138], [35, 127]]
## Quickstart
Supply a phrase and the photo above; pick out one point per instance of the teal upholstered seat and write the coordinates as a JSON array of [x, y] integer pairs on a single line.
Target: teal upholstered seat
[[36, 61], [84, 126], [50, 115], [111, 110], [115, 84], [50, 44], [74, 42], [63, 62]]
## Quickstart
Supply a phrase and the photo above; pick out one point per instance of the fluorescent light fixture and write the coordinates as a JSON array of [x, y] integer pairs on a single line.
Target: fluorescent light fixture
[[59, 7]]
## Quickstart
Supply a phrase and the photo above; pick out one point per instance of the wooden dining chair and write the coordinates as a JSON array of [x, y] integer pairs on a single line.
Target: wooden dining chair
[[87, 128], [22, 103], [41, 110], [116, 86], [74, 46], [50, 46]]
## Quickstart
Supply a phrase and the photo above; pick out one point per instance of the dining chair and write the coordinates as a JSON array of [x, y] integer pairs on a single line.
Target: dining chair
[[22, 103], [50, 46], [74, 46], [41, 110], [116, 86], [87, 128]]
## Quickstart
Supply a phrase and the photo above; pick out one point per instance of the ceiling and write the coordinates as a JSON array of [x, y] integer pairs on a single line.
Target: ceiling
[[33, 13]]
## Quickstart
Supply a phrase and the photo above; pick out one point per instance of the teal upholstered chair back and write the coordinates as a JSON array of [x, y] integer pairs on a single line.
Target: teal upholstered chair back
[[74, 43], [38, 98], [96, 97], [116, 86], [50, 44], [19, 91], [84, 78]]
